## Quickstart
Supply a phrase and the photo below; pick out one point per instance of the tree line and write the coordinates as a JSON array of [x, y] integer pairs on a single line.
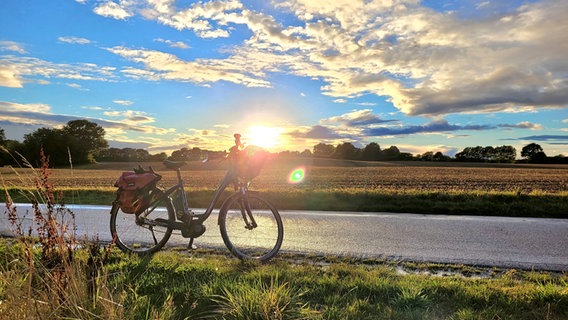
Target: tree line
[[78, 142], [531, 153], [82, 142]]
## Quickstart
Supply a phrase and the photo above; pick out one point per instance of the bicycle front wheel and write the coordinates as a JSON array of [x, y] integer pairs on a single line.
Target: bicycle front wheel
[[251, 227], [146, 232]]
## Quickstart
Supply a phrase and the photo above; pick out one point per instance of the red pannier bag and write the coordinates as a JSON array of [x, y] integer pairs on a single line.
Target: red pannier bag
[[134, 190]]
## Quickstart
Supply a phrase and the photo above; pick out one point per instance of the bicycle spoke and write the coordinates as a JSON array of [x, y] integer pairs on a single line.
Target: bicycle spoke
[[252, 228], [146, 233]]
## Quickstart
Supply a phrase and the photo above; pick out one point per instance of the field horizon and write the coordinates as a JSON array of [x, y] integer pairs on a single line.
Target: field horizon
[[526, 190]]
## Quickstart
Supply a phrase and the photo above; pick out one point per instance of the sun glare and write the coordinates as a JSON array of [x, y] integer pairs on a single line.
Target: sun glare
[[265, 137]]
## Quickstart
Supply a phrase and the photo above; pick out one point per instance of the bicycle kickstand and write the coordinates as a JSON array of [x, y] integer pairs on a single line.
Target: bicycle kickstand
[[190, 245]]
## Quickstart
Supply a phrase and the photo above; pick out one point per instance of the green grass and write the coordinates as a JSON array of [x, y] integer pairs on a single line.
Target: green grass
[[209, 285]]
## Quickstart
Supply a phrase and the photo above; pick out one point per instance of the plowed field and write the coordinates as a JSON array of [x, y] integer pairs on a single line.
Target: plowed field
[[389, 176]]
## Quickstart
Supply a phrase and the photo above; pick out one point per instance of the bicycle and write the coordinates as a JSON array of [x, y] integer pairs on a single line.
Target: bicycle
[[251, 227]]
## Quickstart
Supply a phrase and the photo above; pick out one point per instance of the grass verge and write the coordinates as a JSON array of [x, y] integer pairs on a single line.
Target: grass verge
[[205, 284], [486, 203]]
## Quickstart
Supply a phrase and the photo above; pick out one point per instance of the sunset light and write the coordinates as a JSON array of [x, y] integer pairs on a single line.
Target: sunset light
[[262, 136]]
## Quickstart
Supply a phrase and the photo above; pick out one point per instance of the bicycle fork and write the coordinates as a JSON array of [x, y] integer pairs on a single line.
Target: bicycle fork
[[246, 211]]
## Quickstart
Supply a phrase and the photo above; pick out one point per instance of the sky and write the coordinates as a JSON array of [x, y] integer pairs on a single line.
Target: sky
[[167, 74]]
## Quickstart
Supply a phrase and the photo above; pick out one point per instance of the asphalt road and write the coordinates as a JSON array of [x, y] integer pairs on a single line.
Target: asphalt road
[[526, 243]]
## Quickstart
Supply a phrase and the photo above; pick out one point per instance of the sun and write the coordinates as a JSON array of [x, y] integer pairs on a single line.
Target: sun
[[263, 136]]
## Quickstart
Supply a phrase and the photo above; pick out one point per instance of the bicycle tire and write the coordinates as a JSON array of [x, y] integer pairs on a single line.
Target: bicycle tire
[[145, 236], [260, 243]]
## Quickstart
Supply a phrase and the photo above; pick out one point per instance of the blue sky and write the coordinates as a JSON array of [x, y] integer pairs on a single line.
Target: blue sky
[[166, 74]]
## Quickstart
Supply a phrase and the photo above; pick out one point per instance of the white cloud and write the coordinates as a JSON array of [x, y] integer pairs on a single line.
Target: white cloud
[[423, 61], [162, 65], [113, 10], [74, 40], [10, 77], [19, 107], [95, 108], [76, 86], [173, 44], [123, 102], [36, 114], [432, 63], [355, 118], [15, 71], [12, 46], [523, 125], [203, 18], [131, 116]]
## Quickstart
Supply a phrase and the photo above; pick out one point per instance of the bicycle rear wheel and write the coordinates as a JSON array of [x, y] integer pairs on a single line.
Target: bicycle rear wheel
[[147, 232], [251, 227]]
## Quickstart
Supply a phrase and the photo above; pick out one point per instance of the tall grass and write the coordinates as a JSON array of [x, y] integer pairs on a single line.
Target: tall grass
[[45, 276]]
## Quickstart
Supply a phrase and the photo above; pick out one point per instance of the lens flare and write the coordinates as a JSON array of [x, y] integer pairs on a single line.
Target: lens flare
[[297, 175]]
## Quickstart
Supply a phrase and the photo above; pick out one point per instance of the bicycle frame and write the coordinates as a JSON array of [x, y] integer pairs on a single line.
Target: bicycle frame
[[230, 178]]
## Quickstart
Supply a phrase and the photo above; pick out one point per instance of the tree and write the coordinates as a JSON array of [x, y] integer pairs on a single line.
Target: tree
[[2, 137], [129, 155], [471, 154], [78, 142], [534, 153], [322, 150], [185, 154], [85, 140], [10, 150], [427, 156], [505, 154], [159, 157], [487, 154], [289, 154], [346, 151], [405, 156], [10, 153], [438, 156], [391, 153], [306, 154], [371, 152], [53, 143], [179, 155]]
